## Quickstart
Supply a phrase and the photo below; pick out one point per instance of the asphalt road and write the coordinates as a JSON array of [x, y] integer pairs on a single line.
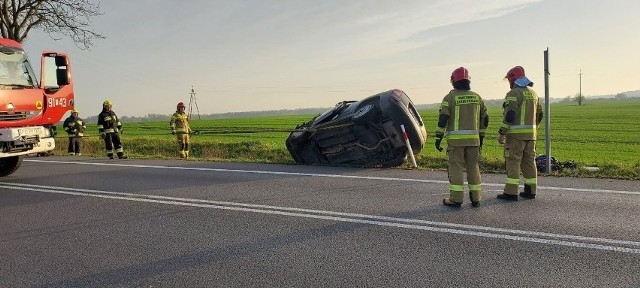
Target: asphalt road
[[83, 222]]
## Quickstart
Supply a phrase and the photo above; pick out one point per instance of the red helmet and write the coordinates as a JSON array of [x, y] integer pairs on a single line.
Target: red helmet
[[515, 73], [181, 105], [460, 74]]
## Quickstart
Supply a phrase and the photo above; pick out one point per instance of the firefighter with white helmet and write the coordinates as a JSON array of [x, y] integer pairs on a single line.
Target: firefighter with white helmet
[[74, 126], [463, 119], [110, 129], [180, 127], [522, 113]]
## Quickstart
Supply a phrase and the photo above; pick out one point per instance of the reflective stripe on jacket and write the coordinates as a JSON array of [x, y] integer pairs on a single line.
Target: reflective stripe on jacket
[[524, 102], [108, 122], [180, 123], [466, 111], [74, 126]]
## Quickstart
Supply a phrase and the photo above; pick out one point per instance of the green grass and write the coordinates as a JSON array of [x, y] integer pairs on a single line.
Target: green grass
[[603, 134]]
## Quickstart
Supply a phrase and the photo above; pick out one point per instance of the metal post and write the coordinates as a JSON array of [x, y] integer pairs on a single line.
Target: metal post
[[547, 111]]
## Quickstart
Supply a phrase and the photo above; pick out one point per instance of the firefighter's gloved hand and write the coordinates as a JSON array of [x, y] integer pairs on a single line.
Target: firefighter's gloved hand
[[439, 141], [501, 139], [102, 135], [120, 129], [173, 132]]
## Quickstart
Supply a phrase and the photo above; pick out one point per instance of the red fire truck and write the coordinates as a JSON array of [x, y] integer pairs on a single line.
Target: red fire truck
[[30, 110]]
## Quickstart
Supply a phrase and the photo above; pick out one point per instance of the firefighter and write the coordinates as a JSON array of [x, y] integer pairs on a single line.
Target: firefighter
[[463, 117], [74, 125], [522, 114], [180, 127], [110, 129]]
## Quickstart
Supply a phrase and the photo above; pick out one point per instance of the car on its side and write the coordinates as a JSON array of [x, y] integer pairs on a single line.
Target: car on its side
[[365, 133]]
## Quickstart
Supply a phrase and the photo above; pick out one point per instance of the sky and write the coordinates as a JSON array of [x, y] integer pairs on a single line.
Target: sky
[[256, 55]]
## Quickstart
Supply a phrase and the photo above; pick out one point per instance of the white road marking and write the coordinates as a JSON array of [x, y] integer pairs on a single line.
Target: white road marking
[[324, 175], [624, 246]]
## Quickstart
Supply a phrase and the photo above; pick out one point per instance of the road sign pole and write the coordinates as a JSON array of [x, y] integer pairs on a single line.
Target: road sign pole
[[547, 112]]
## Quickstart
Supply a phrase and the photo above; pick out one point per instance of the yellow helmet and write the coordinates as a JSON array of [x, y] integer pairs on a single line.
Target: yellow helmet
[[75, 111], [106, 103]]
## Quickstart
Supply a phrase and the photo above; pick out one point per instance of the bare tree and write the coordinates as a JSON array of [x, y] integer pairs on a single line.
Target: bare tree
[[56, 17]]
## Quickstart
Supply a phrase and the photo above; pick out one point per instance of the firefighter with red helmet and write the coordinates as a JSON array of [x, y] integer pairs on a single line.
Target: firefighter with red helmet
[[180, 127], [522, 113], [110, 129], [463, 118]]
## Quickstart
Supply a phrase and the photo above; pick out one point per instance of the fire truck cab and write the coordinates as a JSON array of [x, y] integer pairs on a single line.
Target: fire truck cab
[[29, 110]]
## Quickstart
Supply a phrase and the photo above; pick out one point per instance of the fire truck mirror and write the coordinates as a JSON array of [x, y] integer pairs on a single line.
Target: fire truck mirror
[[61, 61], [63, 76]]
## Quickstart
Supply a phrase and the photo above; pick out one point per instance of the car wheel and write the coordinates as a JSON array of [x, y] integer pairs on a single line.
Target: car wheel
[[400, 158], [298, 136], [365, 114], [295, 151]]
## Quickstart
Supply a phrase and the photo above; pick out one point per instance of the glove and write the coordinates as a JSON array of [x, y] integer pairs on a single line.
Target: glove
[[439, 142], [173, 132], [501, 139], [120, 129], [102, 136]]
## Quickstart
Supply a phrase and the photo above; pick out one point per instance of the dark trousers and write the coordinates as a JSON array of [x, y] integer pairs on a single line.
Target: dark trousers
[[75, 143], [111, 143]]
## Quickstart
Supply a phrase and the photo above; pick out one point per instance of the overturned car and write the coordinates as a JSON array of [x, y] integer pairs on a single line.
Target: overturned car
[[365, 133]]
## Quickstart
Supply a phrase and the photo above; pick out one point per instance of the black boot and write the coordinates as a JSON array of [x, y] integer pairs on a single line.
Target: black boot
[[527, 192], [505, 196], [122, 156]]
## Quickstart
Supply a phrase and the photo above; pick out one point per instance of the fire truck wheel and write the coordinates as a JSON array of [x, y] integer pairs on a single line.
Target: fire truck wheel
[[9, 165]]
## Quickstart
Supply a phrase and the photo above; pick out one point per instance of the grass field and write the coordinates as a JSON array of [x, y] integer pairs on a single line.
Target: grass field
[[603, 134]]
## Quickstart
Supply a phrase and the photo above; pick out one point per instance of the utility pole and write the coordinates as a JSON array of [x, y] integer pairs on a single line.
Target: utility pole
[[580, 91], [192, 101]]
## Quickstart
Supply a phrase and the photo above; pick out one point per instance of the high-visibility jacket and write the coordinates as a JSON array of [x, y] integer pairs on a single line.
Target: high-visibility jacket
[[108, 122], [74, 126], [526, 114], [467, 118], [180, 123]]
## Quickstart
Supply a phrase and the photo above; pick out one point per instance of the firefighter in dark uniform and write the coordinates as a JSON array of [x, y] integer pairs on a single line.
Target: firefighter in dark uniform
[[74, 125], [463, 118], [522, 114], [180, 127], [110, 129]]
